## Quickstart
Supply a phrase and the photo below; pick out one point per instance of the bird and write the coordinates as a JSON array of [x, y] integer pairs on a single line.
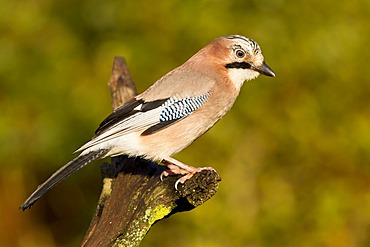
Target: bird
[[173, 112]]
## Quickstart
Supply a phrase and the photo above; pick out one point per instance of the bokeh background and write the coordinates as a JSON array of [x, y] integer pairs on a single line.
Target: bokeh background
[[294, 153]]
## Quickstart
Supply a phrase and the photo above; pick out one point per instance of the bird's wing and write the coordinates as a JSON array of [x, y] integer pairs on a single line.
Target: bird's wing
[[148, 117]]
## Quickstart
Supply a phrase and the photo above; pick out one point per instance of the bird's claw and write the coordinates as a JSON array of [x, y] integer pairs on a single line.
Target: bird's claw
[[177, 183], [163, 174]]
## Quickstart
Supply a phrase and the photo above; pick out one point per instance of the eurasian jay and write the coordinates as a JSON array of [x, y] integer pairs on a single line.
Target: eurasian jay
[[173, 112]]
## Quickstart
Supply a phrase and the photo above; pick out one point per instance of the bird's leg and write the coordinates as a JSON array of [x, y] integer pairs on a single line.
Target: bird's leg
[[178, 168]]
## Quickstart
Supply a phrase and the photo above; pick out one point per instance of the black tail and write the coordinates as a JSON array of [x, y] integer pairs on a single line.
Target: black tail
[[61, 174]]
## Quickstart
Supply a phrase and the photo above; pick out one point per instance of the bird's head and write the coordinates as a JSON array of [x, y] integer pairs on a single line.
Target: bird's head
[[240, 57]]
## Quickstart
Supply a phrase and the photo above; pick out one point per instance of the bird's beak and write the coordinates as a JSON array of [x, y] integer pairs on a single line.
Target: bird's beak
[[264, 69]]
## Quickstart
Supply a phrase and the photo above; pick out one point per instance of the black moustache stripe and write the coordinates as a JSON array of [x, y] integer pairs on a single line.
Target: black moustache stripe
[[238, 65]]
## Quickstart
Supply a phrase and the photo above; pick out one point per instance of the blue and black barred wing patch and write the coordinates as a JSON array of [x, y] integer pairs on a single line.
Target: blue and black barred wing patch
[[175, 110]]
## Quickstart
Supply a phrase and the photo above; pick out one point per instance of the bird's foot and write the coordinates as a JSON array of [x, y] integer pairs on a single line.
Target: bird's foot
[[178, 168]]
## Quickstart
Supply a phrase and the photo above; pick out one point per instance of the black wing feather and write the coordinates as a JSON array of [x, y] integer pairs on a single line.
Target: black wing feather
[[147, 106], [158, 127]]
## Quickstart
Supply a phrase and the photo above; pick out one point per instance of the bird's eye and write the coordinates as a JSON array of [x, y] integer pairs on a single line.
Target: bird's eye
[[239, 53]]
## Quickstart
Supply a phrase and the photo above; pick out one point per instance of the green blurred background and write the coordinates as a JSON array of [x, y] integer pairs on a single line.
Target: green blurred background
[[294, 152]]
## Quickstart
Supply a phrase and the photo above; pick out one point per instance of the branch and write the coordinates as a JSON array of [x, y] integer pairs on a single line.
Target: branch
[[133, 197]]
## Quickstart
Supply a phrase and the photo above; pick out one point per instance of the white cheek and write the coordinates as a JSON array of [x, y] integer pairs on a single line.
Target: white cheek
[[239, 76]]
